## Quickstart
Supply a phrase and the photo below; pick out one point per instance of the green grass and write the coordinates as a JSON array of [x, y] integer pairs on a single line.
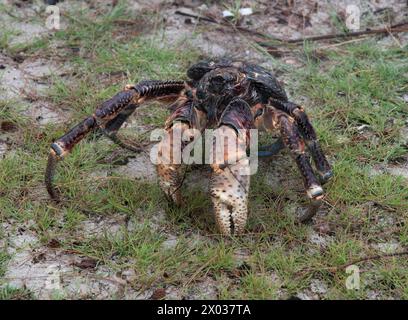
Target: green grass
[[359, 85], [4, 257], [9, 293]]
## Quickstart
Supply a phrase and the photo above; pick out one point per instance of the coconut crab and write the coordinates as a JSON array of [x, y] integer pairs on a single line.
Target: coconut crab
[[232, 96]]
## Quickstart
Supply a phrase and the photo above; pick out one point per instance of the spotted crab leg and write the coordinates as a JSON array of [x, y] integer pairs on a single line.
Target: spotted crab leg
[[108, 117]]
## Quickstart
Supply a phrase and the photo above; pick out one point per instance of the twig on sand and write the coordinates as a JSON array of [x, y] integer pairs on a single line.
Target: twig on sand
[[335, 269], [400, 27], [226, 23], [334, 45]]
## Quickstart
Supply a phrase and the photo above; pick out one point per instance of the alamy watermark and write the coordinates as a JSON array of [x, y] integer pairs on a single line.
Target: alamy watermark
[[352, 17], [212, 146], [54, 18], [353, 280]]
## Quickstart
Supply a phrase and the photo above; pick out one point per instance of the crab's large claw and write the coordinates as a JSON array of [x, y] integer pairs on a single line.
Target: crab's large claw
[[231, 168]]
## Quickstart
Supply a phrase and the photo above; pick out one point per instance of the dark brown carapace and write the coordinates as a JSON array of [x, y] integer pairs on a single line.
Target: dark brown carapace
[[223, 94]]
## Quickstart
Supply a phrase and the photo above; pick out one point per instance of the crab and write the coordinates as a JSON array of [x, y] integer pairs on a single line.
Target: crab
[[233, 97]]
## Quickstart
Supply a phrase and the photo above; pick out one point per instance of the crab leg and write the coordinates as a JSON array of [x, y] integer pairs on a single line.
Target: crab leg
[[269, 118], [112, 127], [272, 149], [308, 133], [292, 139], [108, 117]]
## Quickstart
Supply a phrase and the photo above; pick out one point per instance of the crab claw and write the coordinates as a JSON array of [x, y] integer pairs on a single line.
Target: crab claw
[[229, 194]]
